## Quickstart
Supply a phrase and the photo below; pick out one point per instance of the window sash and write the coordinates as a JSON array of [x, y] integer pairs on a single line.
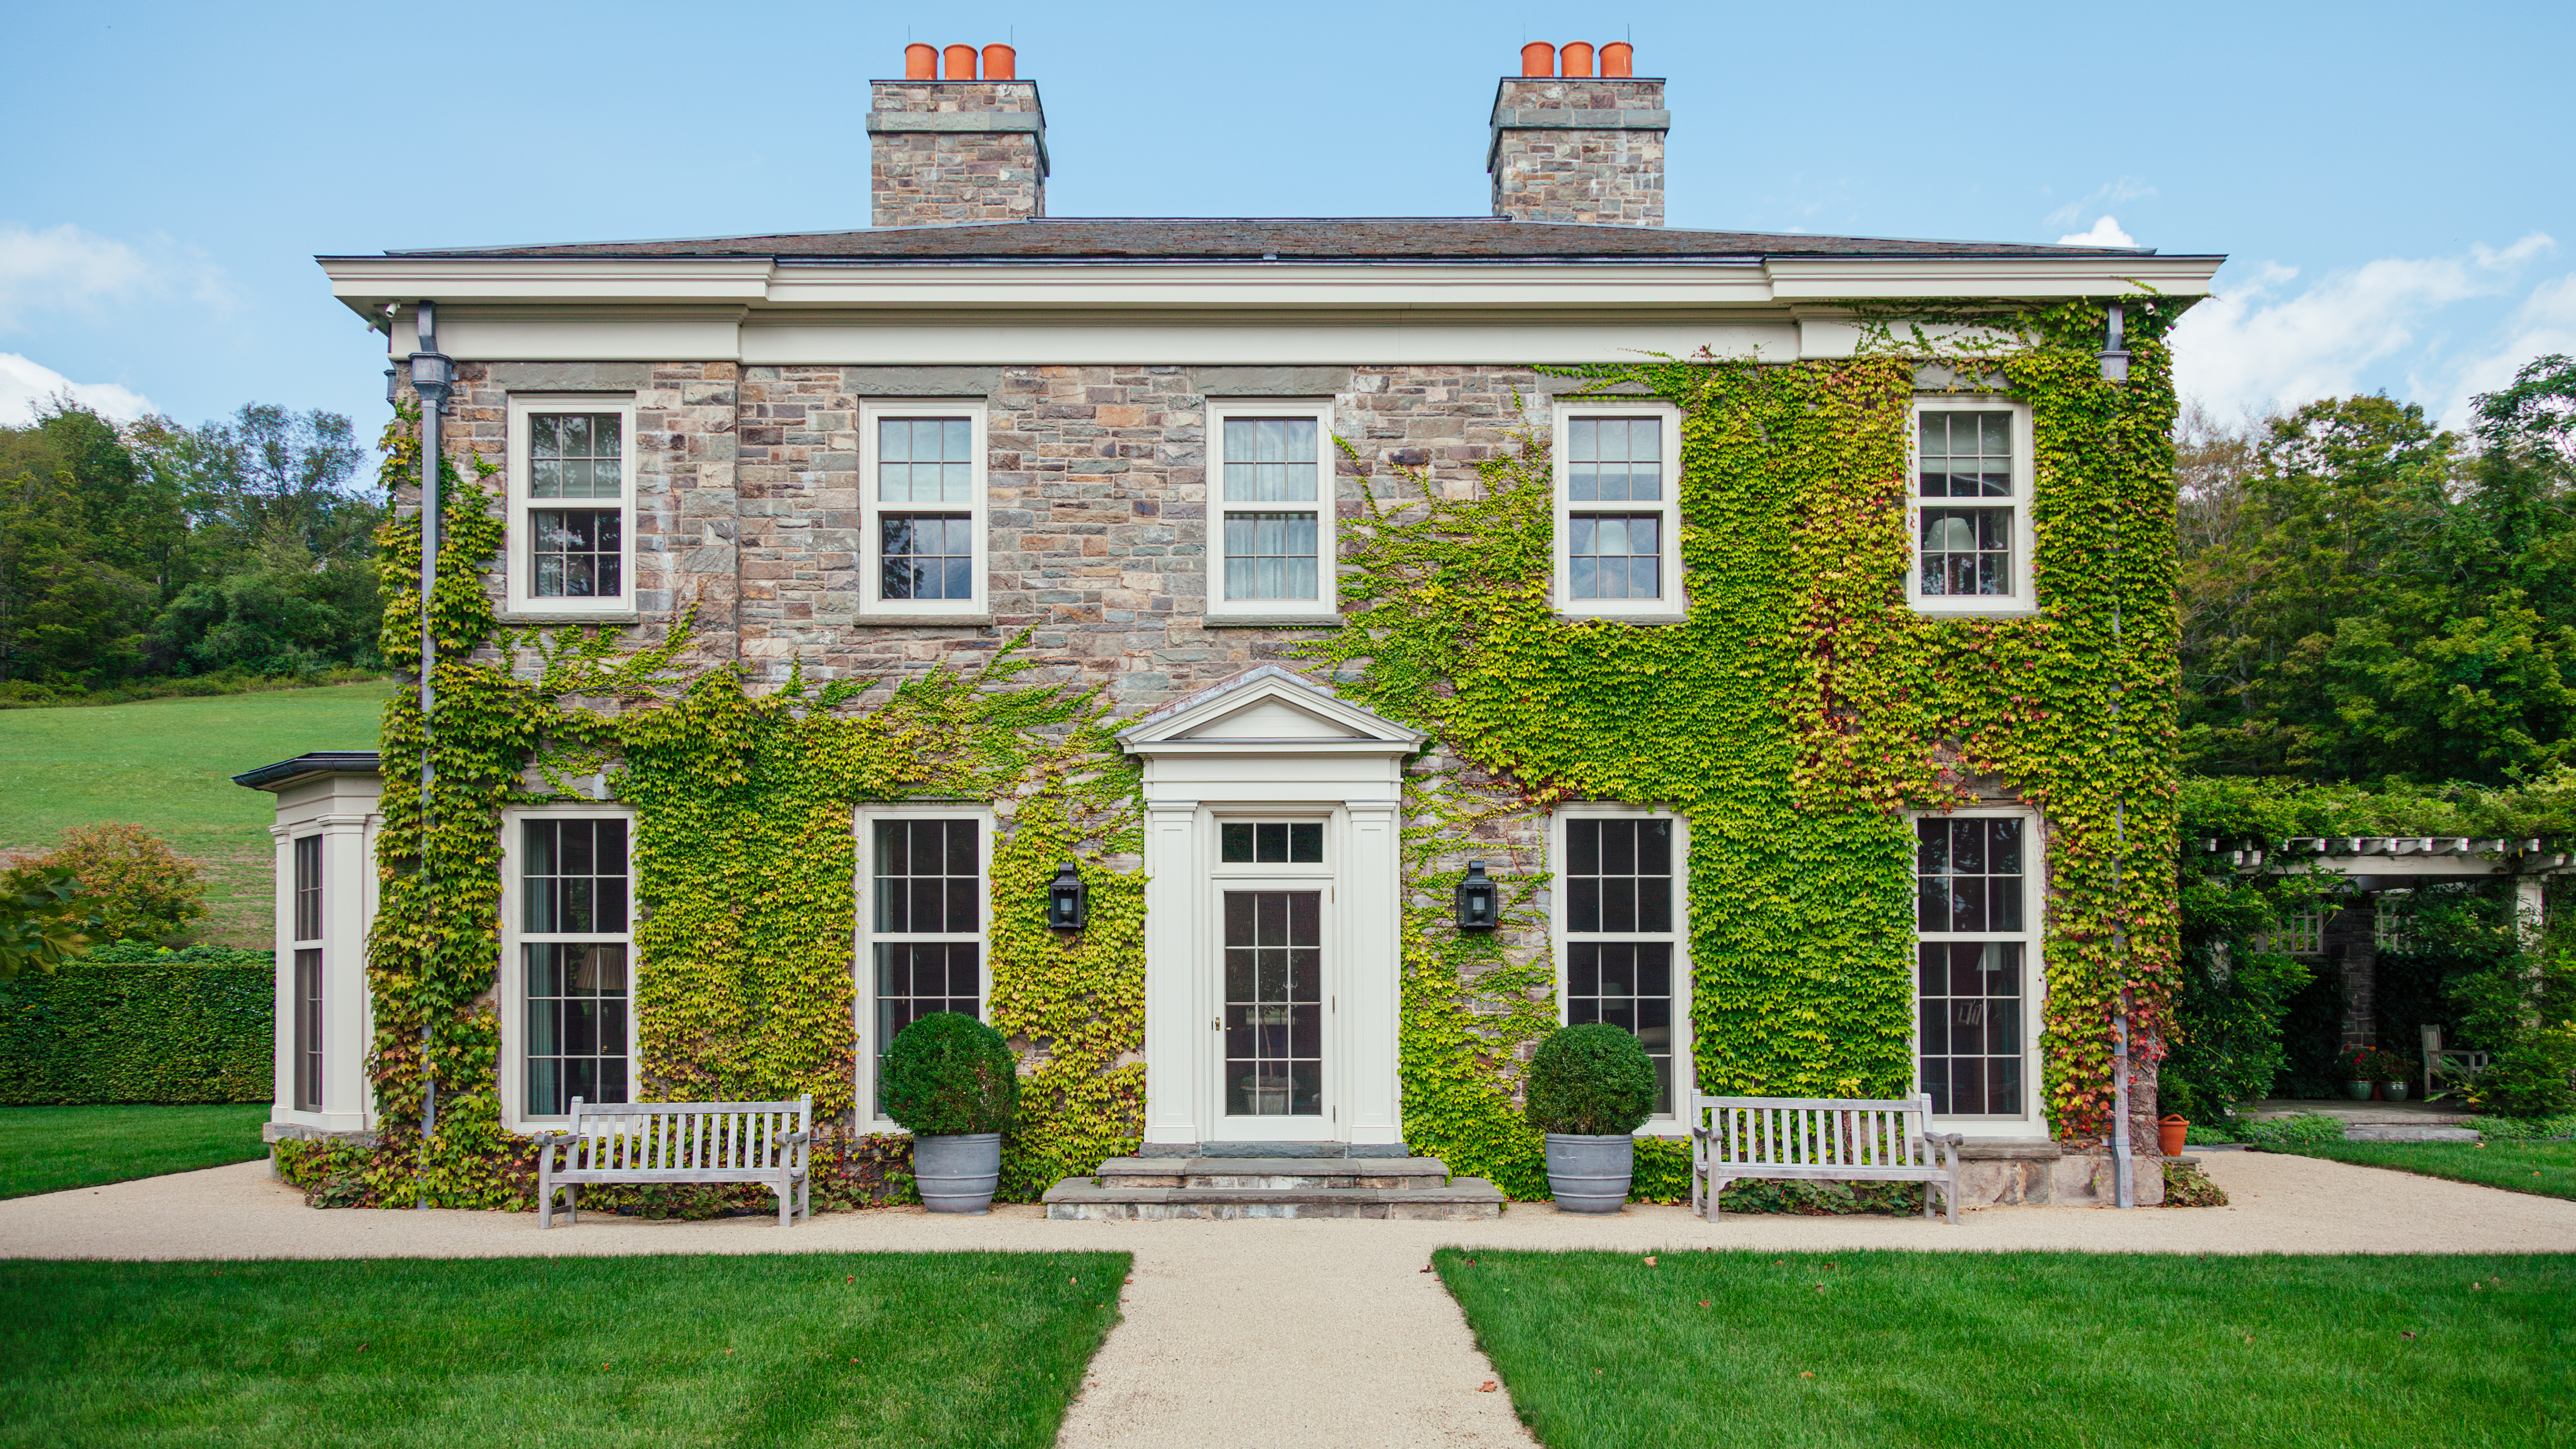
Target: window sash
[[924, 924], [1619, 916], [308, 888], [925, 525], [1975, 934], [308, 1030], [572, 522]]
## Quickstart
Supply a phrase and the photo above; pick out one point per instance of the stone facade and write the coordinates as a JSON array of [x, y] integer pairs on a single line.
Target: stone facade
[[1579, 150], [944, 152]]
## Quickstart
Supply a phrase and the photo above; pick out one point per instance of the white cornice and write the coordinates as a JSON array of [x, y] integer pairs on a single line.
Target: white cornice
[[368, 284]]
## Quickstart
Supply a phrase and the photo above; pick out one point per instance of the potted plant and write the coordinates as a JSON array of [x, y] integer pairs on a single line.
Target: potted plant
[[2393, 1073], [2357, 1069], [1588, 1088], [953, 1083]]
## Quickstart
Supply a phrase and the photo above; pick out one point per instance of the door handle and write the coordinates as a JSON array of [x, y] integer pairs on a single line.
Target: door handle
[[1216, 1023]]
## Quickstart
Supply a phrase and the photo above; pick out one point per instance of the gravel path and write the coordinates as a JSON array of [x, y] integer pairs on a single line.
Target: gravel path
[[1230, 1326]]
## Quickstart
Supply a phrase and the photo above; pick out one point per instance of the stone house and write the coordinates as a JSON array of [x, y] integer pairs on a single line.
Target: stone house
[[1148, 450]]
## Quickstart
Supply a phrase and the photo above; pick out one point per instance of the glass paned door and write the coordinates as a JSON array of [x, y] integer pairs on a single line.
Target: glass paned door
[[1274, 1004]]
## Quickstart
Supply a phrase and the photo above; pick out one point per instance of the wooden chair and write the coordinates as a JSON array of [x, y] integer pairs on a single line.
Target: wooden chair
[[2456, 1063]]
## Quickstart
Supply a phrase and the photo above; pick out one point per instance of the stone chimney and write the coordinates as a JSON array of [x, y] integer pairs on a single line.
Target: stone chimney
[[948, 146], [1573, 146]]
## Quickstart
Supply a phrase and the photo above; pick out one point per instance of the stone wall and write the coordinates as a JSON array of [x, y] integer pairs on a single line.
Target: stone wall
[[944, 152], [1579, 150]]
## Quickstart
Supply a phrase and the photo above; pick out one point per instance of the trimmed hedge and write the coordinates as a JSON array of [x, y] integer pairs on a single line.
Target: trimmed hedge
[[191, 1026]]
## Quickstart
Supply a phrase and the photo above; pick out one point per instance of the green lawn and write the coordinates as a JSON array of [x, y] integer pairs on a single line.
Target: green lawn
[[982, 1349], [48, 1149], [2547, 1168], [165, 764], [1885, 1349]]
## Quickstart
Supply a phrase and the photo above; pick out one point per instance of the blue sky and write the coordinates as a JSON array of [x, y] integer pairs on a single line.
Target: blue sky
[[2393, 183]]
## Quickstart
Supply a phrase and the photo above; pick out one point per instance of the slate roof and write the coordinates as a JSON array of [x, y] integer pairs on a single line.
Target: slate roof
[[1284, 239]]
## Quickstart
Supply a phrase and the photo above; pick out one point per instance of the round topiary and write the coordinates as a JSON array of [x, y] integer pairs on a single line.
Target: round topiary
[[949, 1075], [1592, 1081]]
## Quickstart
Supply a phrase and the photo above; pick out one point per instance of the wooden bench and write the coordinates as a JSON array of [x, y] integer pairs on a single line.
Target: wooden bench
[[1819, 1139], [2458, 1064], [650, 1142]]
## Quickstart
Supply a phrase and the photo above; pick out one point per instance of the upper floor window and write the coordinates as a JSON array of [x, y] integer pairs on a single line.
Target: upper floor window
[[1271, 520], [1618, 515], [1618, 887], [572, 513], [922, 509], [1973, 942], [1971, 507]]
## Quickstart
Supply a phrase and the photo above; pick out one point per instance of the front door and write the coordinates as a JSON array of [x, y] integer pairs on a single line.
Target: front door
[[1271, 1079]]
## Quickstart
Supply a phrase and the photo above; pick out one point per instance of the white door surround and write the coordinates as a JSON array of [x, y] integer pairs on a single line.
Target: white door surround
[[1271, 745]]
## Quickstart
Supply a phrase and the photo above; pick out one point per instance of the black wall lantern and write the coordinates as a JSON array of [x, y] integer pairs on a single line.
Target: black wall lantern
[[1479, 899], [1068, 899]]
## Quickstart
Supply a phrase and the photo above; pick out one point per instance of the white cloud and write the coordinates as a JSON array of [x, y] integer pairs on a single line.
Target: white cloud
[[2256, 344], [63, 268], [25, 384], [2127, 188], [2105, 233], [2543, 324]]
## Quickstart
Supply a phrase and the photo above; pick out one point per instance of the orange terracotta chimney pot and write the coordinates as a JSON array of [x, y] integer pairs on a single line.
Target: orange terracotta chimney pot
[[999, 59], [961, 62], [1538, 58], [920, 62], [1618, 58], [1578, 60]]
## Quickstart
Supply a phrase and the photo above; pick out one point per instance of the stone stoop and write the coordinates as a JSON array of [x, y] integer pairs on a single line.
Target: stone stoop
[[1272, 1187]]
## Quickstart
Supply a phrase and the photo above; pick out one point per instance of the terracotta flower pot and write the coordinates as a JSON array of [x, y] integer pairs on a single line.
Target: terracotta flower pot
[[2169, 1135]]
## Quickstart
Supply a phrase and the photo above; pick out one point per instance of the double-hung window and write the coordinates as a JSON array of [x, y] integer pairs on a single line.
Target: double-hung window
[[922, 510], [1618, 893], [923, 921], [1270, 529], [576, 973], [1971, 507], [1974, 939], [1618, 515], [307, 946], [572, 506]]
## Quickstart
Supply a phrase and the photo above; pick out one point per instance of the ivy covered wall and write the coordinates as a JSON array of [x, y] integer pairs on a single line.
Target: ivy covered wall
[[1793, 715]]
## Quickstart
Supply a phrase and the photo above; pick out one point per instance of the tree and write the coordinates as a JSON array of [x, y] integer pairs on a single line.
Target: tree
[[139, 889], [44, 921]]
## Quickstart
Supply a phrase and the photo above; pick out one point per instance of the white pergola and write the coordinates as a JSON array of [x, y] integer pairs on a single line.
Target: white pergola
[[2371, 864]]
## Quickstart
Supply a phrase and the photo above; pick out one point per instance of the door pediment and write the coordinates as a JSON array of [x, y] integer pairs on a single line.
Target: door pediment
[[1268, 710]]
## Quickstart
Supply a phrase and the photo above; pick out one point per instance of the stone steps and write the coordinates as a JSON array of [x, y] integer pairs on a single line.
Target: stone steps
[[1272, 1187]]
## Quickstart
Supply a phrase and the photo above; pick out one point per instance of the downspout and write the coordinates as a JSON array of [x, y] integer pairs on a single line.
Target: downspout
[[2115, 368], [433, 377]]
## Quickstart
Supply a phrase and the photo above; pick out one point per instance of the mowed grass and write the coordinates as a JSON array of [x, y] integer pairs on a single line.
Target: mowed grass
[[786, 1349], [166, 765], [49, 1149], [2547, 1168], [1882, 1349]]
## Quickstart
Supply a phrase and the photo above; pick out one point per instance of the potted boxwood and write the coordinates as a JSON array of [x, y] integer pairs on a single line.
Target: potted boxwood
[[953, 1082], [1588, 1088]]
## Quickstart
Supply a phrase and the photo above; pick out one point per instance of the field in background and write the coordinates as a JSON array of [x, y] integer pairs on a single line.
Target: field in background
[[49, 1149], [166, 765]]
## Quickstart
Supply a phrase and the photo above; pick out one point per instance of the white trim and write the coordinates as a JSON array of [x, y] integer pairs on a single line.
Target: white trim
[[1326, 603], [864, 937], [342, 810], [519, 534], [2032, 1120], [1561, 939], [1673, 604], [2023, 599], [513, 993], [978, 605]]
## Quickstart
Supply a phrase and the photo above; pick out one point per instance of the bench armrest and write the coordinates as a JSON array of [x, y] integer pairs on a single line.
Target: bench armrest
[[797, 1139]]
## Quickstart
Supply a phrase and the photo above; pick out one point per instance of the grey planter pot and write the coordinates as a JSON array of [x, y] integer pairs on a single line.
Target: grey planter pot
[[1590, 1174], [957, 1174], [2360, 1090], [2394, 1091]]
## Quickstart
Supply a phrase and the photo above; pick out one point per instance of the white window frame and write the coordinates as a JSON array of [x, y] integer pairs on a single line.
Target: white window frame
[[514, 979], [1685, 1068], [1327, 505], [1675, 603], [319, 1023], [865, 937], [2022, 599], [518, 555], [977, 607], [2031, 1121]]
